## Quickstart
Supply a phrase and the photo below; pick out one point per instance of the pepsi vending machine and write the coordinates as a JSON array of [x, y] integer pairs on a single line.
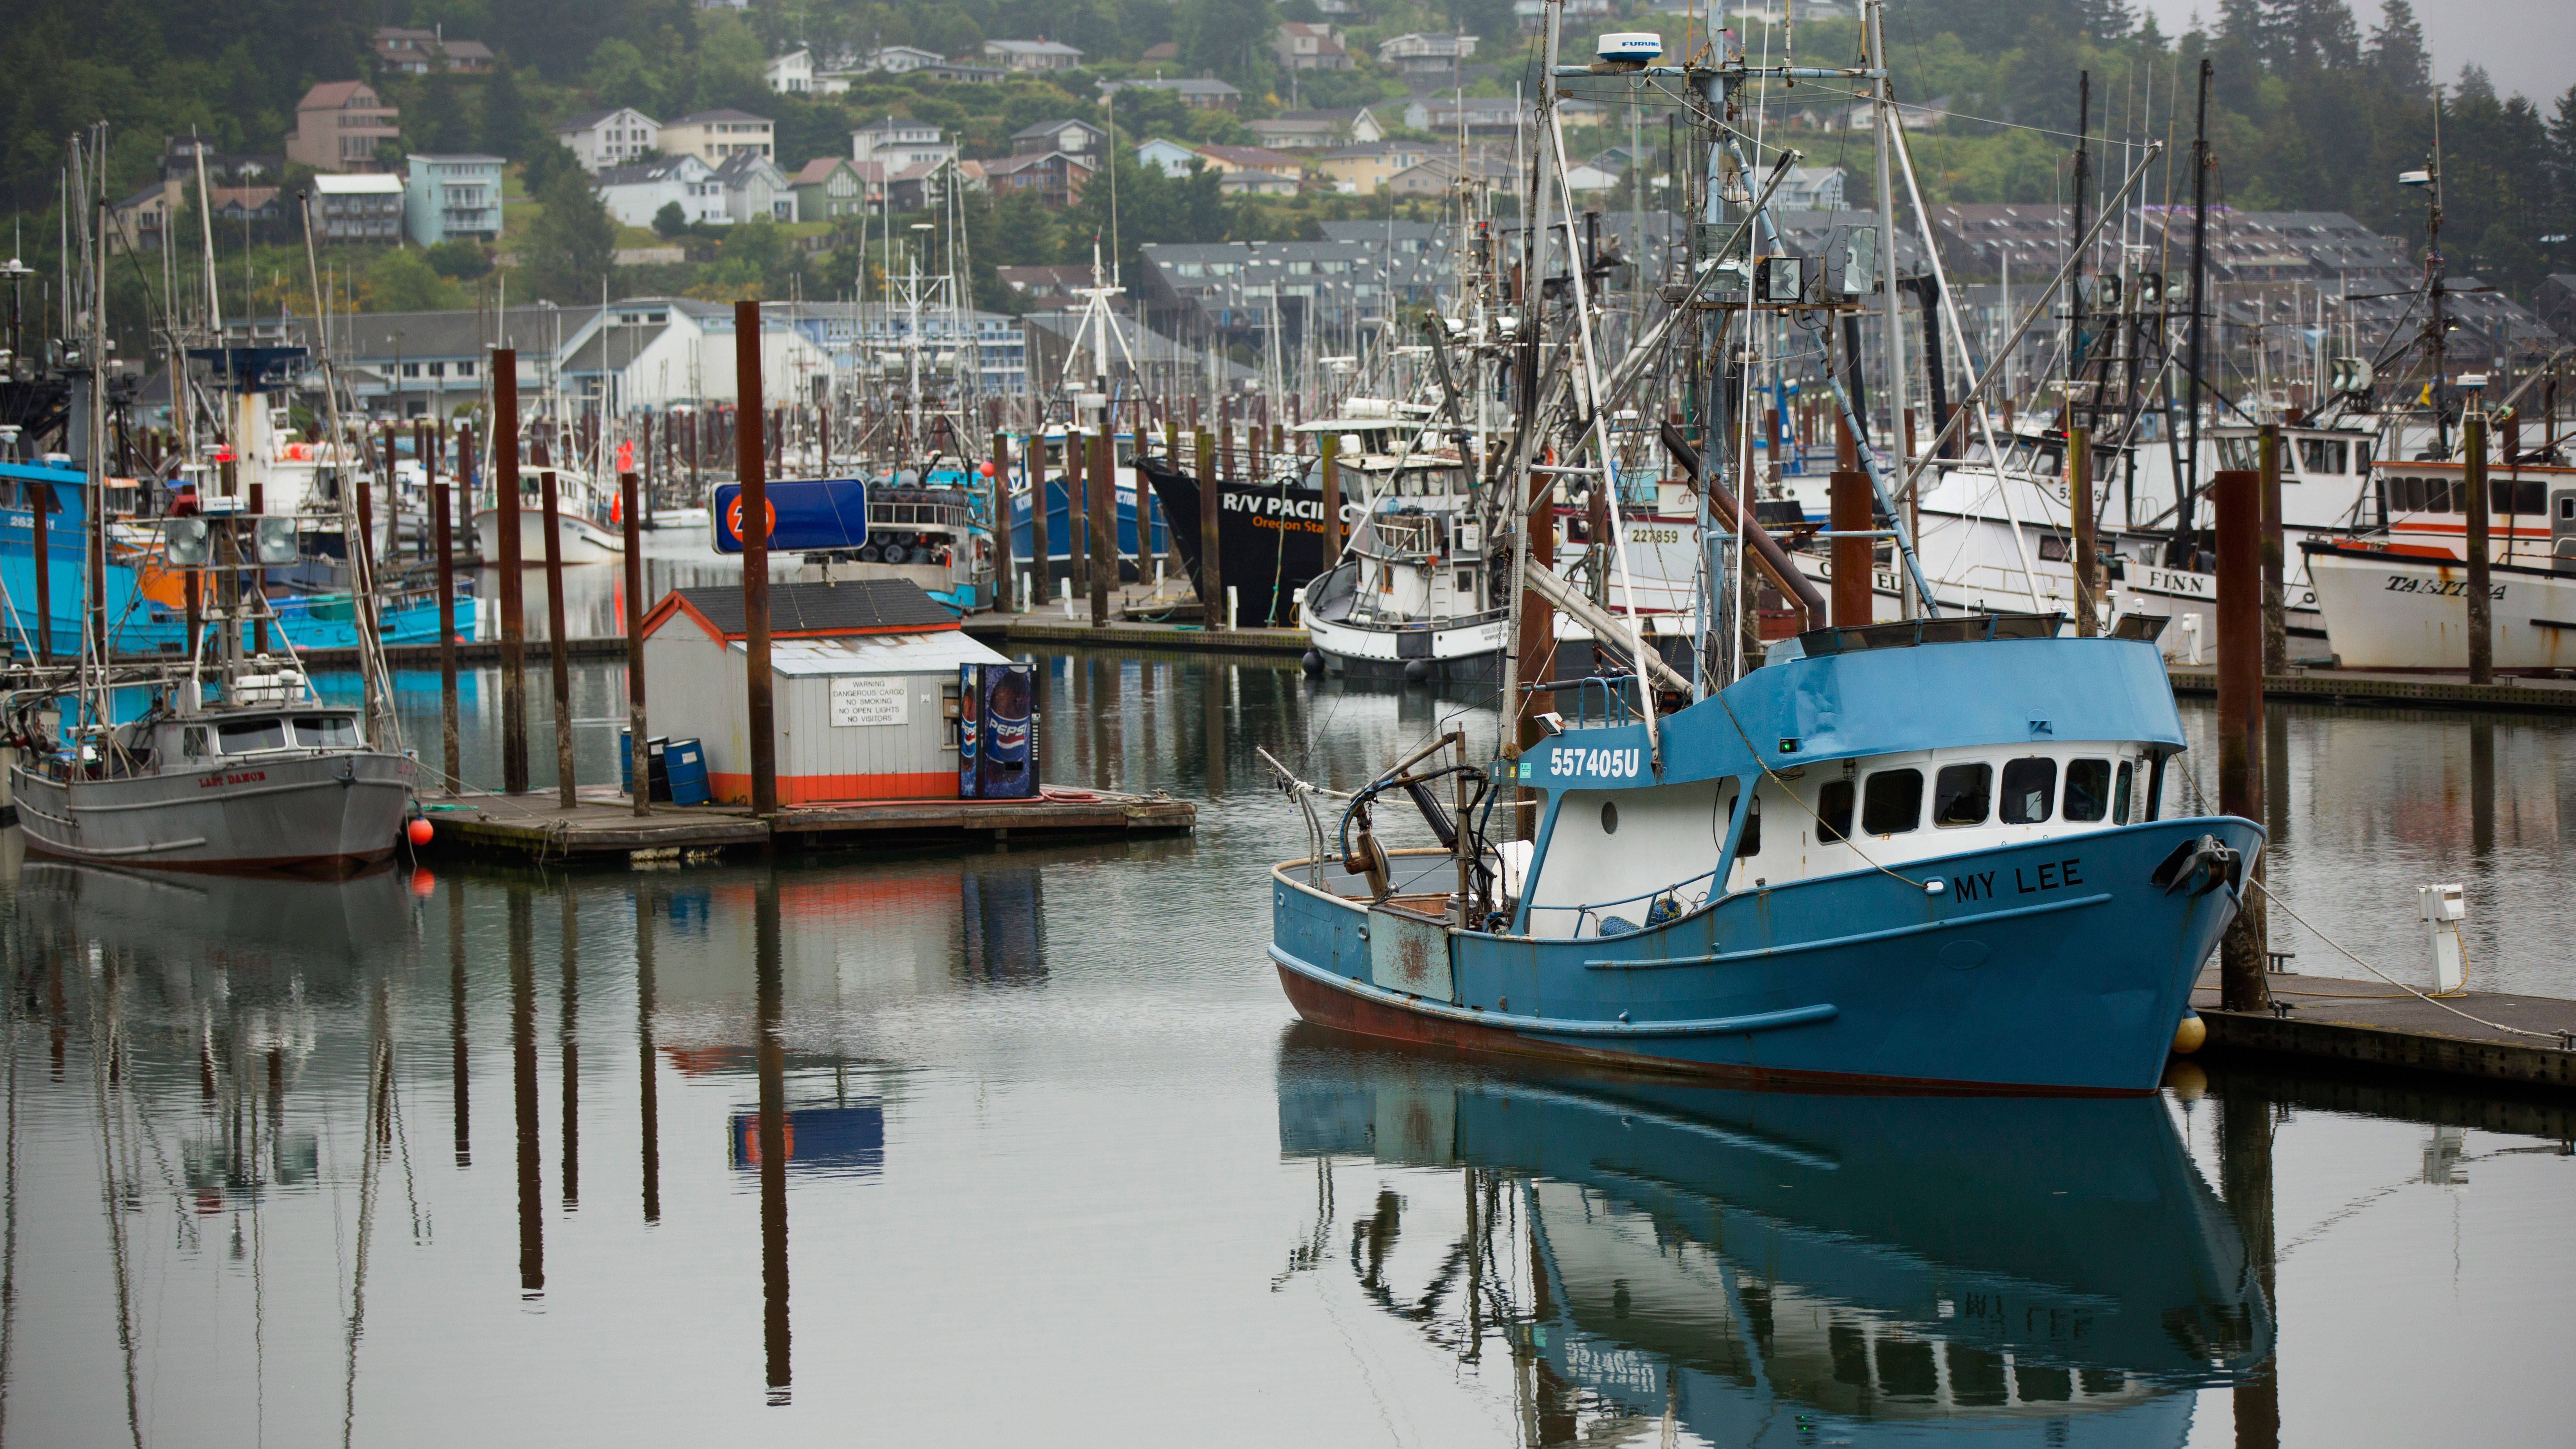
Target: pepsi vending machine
[[997, 756]]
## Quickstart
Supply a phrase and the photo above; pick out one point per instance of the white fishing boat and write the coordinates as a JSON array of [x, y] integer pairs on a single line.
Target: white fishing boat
[[581, 525]]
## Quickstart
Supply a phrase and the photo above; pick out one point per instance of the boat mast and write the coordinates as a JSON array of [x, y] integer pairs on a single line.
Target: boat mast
[[1894, 338], [2186, 542]]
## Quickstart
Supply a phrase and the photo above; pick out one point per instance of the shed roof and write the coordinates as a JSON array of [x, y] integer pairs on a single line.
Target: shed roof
[[939, 652], [859, 606]]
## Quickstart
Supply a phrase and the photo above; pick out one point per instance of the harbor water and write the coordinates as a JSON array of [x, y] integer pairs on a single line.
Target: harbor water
[[1023, 1145]]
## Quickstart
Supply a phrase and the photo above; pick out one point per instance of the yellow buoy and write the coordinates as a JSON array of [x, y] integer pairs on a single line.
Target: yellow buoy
[[2190, 1033]]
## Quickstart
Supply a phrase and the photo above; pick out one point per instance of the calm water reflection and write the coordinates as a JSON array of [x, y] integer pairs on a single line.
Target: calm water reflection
[[1024, 1146]]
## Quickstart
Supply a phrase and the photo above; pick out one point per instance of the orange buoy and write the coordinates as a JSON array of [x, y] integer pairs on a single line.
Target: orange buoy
[[418, 831]]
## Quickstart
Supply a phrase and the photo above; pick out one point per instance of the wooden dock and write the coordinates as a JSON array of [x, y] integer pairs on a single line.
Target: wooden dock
[[603, 827], [1054, 631], [2373, 1025], [2523, 695]]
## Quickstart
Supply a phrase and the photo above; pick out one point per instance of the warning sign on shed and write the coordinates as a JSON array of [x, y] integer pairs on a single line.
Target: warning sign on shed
[[867, 702]]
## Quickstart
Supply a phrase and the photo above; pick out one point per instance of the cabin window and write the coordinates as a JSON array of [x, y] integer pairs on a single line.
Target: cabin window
[[1751, 845], [2120, 796], [326, 732], [1892, 803], [249, 735], [2052, 548], [1834, 811], [2322, 455], [1960, 792], [192, 742], [2028, 786], [2088, 789], [2515, 498], [1609, 817]]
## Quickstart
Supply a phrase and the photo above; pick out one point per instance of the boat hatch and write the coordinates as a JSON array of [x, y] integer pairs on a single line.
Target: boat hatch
[[1905, 634]]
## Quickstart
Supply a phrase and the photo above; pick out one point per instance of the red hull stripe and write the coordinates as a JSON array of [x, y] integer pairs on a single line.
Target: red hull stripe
[[1327, 1005]]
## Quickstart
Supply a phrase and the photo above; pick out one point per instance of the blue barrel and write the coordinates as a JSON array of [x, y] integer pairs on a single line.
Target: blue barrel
[[686, 763]]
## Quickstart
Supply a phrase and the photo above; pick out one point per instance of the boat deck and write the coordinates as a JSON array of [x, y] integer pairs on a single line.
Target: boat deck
[[602, 826], [2374, 1024]]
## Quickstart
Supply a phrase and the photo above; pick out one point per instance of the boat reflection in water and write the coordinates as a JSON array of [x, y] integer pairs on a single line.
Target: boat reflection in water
[[1768, 1268]]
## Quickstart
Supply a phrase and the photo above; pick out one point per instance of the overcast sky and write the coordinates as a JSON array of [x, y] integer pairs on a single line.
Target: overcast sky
[[2526, 45]]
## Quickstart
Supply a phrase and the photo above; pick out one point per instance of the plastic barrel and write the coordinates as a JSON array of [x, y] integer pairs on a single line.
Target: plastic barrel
[[686, 763], [656, 779]]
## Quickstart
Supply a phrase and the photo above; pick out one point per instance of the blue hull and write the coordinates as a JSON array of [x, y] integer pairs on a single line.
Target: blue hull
[[1023, 548], [2053, 966]]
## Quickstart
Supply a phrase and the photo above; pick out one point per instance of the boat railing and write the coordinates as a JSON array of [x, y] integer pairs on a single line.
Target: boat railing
[[1615, 709], [1664, 903]]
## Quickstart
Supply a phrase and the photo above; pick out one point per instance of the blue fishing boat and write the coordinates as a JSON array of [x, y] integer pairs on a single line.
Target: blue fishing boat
[[1928, 854], [143, 619], [1061, 517]]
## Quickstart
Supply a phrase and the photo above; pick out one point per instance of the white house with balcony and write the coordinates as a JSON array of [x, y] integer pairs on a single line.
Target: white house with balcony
[[712, 136], [899, 142], [791, 74], [601, 139], [636, 194], [450, 196]]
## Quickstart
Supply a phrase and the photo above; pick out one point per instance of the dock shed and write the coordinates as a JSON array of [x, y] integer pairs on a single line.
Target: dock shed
[[865, 674]]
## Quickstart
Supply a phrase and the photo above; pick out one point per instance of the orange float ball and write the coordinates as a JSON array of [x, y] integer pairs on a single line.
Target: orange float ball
[[418, 831]]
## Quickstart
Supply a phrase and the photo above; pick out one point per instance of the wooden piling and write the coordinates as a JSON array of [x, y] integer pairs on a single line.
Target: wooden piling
[[1104, 527], [762, 720], [1537, 642], [1000, 456], [514, 604], [1077, 512], [2481, 601], [257, 578], [552, 502], [628, 494], [1848, 504], [1211, 568], [2079, 503], [1330, 448], [2240, 717], [443, 499], [2276, 622]]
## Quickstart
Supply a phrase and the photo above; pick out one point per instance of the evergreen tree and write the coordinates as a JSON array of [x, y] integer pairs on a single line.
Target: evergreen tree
[[2397, 51], [436, 121], [569, 248], [505, 114], [2312, 33]]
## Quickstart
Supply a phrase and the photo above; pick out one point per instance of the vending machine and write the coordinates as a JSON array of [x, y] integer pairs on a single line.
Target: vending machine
[[997, 753]]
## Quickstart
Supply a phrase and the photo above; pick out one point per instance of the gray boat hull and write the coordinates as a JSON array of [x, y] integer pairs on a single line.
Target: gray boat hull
[[309, 812]]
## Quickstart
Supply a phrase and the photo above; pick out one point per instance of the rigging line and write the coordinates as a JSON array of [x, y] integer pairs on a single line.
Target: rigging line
[[2275, 899]]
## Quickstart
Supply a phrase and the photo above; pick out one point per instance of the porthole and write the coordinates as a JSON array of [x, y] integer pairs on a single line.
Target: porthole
[[1609, 817]]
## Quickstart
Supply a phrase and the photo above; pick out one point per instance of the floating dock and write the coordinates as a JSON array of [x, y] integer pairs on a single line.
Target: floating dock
[[1055, 631], [2524, 695], [603, 827], [2371, 1024]]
